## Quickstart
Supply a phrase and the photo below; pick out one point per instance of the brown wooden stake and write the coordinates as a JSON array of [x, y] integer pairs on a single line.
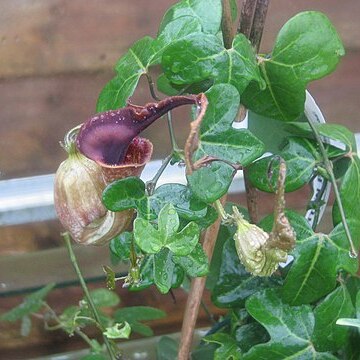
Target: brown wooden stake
[[196, 291], [252, 21], [246, 17]]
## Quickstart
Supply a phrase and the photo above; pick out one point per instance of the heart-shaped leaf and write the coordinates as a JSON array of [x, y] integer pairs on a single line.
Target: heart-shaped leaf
[[300, 164], [318, 257], [306, 48], [290, 329], [124, 194], [327, 335], [200, 57]]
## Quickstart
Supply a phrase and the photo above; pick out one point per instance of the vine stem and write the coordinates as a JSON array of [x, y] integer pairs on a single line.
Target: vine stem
[[61, 326], [88, 297], [151, 184], [329, 169], [196, 291]]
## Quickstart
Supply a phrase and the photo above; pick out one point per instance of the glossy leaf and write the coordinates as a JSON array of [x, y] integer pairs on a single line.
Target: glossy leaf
[[300, 164], [104, 298], [118, 331], [249, 335], [201, 57], [151, 240], [349, 193], [120, 246], [135, 315], [327, 335], [211, 182], [164, 268], [224, 234], [31, 304], [175, 30], [220, 140], [235, 284], [228, 348], [207, 12], [124, 194], [194, 264], [306, 48], [129, 69], [290, 329], [180, 196], [332, 131], [318, 257]]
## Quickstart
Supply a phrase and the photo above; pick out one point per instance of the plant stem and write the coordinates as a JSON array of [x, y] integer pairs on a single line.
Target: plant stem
[[60, 325], [174, 145], [151, 184], [152, 87], [75, 264], [196, 291], [220, 209], [329, 169]]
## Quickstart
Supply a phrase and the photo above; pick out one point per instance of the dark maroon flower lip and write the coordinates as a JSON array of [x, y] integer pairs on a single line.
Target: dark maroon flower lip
[[106, 137]]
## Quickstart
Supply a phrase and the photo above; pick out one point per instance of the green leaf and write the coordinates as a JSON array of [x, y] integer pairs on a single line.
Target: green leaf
[[120, 246], [223, 235], [306, 48], [152, 240], [207, 12], [135, 315], [235, 284], [166, 348], [349, 193], [31, 304], [164, 268], [104, 298], [129, 69], [300, 164], [290, 329], [349, 322], [331, 131], [175, 30], [124, 194], [194, 264], [118, 331], [180, 196], [309, 44], [211, 182], [318, 257], [69, 319], [327, 335], [147, 237], [228, 349], [249, 335], [201, 57]]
